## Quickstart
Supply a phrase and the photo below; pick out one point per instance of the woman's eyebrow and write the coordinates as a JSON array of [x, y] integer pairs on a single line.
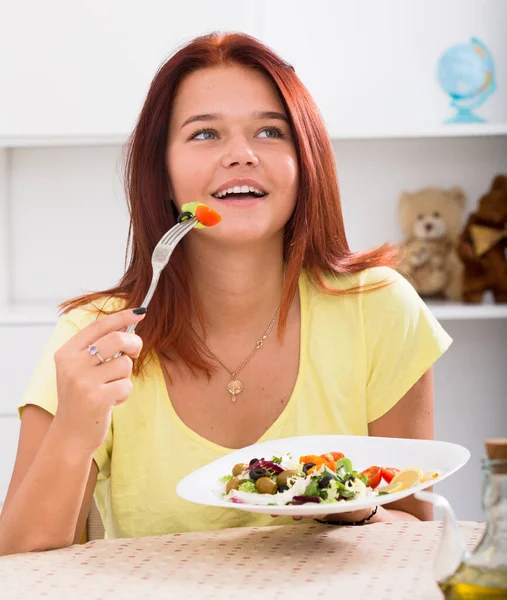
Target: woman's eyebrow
[[265, 114], [271, 114], [204, 117]]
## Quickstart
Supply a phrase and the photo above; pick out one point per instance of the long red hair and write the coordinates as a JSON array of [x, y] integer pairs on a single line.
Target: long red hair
[[314, 237]]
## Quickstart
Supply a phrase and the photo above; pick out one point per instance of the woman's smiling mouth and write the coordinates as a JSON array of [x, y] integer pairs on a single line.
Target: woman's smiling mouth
[[240, 193]]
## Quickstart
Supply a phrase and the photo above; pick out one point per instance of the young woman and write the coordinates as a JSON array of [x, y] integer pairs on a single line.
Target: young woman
[[347, 347]]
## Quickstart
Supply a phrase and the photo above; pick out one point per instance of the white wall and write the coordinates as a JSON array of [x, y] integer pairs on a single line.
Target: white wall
[[82, 68]]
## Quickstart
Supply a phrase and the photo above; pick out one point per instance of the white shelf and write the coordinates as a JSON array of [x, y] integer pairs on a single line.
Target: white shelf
[[457, 311], [443, 311], [16, 315], [62, 140], [443, 131]]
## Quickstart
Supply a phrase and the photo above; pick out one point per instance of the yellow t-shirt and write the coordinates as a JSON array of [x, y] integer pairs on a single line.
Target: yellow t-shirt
[[360, 353]]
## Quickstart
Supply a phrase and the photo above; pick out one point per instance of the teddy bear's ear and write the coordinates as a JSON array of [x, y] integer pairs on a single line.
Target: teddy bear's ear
[[404, 212], [499, 183], [458, 195]]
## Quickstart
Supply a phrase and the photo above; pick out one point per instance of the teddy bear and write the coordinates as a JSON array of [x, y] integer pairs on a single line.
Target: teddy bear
[[431, 219], [482, 246]]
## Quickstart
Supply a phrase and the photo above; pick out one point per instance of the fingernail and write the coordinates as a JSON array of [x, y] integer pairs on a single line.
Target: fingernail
[[139, 311]]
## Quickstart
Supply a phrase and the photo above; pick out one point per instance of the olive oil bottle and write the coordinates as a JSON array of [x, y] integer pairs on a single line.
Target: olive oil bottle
[[483, 573]]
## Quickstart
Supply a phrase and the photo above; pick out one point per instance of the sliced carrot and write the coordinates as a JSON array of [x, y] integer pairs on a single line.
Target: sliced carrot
[[207, 216], [311, 458], [327, 456], [331, 465]]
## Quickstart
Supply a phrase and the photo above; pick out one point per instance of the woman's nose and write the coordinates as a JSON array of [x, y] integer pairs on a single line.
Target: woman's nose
[[239, 152]]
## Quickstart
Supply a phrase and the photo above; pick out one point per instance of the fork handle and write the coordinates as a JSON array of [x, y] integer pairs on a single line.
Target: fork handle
[[144, 304]]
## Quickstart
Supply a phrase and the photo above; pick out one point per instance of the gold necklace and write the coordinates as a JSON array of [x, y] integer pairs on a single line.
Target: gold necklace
[[235, 386]]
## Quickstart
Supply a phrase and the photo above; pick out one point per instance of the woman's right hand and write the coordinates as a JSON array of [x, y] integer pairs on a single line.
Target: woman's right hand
[[88, 389]]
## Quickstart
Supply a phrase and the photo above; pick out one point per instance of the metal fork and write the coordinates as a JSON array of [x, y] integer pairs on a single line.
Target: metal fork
[[160, 257]]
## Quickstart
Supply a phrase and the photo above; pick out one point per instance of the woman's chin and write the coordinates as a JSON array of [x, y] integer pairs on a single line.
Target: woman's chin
[[241, 233]]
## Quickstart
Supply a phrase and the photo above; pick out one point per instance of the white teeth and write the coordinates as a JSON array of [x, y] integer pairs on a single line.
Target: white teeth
[[239, 189]]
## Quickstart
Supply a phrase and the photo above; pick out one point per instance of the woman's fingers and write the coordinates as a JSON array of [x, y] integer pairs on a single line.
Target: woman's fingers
[[101, 327], [117, 392], [117, 368], [114, 342]]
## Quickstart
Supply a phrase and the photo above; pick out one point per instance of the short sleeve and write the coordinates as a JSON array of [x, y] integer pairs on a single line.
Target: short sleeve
[[42, 389], [402, 338]]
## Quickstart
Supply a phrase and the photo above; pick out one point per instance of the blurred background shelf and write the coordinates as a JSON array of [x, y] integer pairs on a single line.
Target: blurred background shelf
[[447, 311], [443, 131], [46, 314]]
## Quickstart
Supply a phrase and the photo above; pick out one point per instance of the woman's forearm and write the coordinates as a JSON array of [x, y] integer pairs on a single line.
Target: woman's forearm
[[44, 510], [387, 515]]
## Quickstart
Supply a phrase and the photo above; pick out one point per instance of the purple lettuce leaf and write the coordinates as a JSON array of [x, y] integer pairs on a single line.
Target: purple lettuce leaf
[[305, 499]]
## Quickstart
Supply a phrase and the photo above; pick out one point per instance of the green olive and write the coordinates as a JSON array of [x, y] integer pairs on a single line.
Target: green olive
[[283, 477], [265, 485], [238, 469], [232, 484]]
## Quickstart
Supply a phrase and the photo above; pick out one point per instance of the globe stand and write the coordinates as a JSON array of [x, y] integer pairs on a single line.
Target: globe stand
[[465, 115]]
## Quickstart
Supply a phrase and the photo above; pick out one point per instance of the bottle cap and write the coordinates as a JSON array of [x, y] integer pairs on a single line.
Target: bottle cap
[[496, 448]]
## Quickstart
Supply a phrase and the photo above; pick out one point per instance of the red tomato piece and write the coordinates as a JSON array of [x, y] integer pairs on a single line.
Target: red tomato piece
[[207, 216], [388, 473], [374, 476], [337, 455], [332, 456]]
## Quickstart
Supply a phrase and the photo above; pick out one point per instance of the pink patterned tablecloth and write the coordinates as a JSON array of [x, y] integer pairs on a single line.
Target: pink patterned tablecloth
[[384, 561]]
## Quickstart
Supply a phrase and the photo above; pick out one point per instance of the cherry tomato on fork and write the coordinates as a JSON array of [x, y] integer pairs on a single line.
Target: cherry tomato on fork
[[374, 476]]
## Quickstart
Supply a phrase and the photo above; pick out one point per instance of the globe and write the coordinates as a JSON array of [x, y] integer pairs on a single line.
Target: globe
[[466, 73]]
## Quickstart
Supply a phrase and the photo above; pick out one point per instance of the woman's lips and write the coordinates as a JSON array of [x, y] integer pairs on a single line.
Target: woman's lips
[[241, 202]]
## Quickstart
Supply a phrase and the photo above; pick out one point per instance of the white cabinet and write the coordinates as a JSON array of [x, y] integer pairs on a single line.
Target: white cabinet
[[371, 66], [74, 76], [20, 347], [9, 432], [80, 69]]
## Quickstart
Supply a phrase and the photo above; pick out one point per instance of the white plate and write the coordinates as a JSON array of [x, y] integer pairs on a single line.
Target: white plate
[[204, 487]]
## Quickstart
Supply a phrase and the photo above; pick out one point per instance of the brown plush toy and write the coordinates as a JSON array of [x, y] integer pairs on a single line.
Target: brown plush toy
[[483, 244], [431, 219]]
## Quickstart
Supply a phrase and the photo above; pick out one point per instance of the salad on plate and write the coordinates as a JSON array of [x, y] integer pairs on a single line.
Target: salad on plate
[[324, 479]]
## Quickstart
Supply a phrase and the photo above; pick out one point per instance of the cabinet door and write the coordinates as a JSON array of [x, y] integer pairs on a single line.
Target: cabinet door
[[20, 348], [371, 66], [83, 68]]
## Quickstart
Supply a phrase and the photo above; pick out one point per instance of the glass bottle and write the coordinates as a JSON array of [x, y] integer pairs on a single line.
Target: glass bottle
[[482, 573]]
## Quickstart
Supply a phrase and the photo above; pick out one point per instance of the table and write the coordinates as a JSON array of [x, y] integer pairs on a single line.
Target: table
[[385, 561]]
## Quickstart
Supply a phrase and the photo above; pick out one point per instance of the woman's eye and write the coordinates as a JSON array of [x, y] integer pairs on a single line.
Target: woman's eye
[[271, 132], [204, 134]]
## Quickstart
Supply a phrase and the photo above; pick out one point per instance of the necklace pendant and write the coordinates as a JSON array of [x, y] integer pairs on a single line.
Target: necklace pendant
[[235, 387]]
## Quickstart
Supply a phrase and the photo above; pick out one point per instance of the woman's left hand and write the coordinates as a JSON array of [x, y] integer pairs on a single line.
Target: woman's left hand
[[345, 517]]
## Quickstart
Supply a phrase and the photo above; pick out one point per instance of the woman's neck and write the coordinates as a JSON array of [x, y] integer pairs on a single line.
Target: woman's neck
[[240, 289]]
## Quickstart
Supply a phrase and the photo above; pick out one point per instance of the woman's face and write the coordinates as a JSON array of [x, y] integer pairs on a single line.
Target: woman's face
[[230, 147]]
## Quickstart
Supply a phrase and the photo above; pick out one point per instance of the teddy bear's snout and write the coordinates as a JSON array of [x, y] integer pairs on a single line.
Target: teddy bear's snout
[[430, 228]]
